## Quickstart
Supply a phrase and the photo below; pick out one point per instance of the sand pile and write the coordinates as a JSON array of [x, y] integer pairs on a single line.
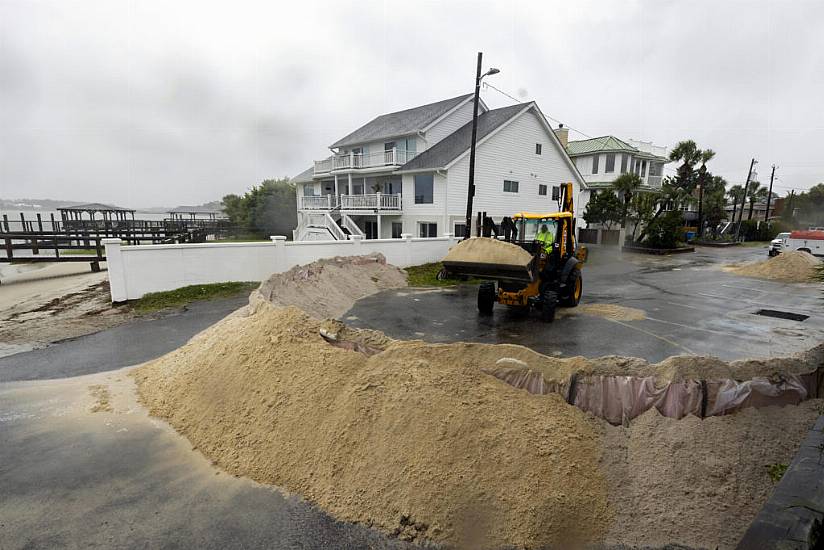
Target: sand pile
[[612, 312], [790, 267], [415, 440], [482, 250], [696, 482], [428, 442], [328, 288]]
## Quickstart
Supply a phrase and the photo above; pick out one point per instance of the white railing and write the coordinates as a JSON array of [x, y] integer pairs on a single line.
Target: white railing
[[323, 202], [334, 228], [351, 226], [654, 181], [392, 157], [374, 201]]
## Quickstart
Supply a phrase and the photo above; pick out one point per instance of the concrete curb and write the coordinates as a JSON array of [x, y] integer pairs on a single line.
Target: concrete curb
[[793, 516]]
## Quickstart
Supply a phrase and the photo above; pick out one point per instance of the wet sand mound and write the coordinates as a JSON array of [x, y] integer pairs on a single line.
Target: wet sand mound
[[483, 250], [328, 288], [790, 267], [612, 312], [415, 440]]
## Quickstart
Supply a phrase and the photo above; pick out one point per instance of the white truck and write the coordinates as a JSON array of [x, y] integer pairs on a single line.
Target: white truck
[[811, 241]]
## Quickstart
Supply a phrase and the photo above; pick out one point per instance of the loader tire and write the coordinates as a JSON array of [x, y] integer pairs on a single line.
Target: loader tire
[[549, 303], [486, 298], [574, 289]]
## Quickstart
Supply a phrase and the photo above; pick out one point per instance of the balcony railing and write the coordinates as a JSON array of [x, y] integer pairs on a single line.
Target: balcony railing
[[375, 201], [392, 157], [654, 181]]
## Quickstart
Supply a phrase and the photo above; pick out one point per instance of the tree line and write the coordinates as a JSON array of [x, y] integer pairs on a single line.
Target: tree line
[[266, 209]]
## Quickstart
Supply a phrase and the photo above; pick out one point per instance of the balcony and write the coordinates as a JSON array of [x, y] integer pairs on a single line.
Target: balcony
[[654, 181], [344, 203], [353, 161]]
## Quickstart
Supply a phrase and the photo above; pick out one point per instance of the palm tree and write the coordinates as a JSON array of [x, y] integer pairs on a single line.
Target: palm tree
[[735, 193], [756, 193], [688, 153], [703, 179], [625, 186]]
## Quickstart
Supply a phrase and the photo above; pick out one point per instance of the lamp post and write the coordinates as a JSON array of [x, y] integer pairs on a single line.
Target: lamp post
[[471, 190]]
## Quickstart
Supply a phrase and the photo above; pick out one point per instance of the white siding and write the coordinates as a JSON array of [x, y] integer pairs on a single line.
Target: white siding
[[449, 124], [510, 155]]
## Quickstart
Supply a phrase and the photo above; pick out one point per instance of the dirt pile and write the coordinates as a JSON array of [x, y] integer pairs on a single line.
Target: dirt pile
[[415, 440], [329, 287], [613, 312], [789, 267], [697, 483], [429, 442], [484, 250]]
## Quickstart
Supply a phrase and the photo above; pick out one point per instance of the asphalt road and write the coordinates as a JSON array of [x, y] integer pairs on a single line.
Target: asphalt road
[[692, 307], [129, 344]]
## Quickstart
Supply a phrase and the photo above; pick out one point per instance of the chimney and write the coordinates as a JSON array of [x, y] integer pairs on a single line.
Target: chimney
[[562, 134]]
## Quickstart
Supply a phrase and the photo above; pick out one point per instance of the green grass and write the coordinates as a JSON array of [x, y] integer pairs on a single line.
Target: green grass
[[180, 297], [80, 252], [426, 275], [776, 471]]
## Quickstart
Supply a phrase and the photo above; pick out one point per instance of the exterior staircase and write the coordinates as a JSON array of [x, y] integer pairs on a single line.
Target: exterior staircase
[[323, 227]]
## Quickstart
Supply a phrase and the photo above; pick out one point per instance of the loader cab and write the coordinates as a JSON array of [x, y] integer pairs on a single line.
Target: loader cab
[[558, 223]]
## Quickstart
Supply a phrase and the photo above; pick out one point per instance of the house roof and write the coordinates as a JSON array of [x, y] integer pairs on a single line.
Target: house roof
[[599, 144], [400, 123], [456, 143], [597, 185], [97, 207], [305, 176]]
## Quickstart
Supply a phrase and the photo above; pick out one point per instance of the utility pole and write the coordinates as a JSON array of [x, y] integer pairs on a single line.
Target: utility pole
[[769, 195], [470, 193], [744, 201]]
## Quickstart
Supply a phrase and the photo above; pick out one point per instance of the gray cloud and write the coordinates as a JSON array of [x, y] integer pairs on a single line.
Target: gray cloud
[[146, 103]]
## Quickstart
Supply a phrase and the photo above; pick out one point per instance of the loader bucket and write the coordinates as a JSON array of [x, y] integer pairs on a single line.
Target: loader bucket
[[488, 258]]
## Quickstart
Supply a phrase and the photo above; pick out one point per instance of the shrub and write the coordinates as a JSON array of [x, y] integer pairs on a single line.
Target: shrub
[[664, 231]]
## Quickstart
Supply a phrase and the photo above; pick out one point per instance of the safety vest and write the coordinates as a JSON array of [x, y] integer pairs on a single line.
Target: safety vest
[[547, 238]]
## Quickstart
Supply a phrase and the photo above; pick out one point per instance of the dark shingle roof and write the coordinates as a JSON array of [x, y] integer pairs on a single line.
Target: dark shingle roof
[[305, 176], [400, 123], [449, 148]]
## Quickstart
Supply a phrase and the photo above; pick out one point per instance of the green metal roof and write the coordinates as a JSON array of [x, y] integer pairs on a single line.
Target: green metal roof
[[599, 144]]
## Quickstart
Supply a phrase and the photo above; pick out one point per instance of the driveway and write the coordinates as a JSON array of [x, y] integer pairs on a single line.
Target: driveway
[[692, 306]]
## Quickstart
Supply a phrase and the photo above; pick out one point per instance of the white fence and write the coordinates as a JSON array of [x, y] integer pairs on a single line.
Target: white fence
[[138, 270]]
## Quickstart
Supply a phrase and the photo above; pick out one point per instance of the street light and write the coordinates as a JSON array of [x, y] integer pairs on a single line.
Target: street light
[[471, 190]]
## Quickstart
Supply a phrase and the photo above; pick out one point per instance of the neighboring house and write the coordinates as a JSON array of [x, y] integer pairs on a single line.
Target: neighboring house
[[601, 160], [407, 172]]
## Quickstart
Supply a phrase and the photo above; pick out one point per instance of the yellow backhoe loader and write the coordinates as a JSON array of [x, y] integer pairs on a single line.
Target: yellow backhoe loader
[[551, 278]]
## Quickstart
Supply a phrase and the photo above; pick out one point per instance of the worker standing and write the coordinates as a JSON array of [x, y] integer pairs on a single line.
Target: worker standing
[[546, 238]]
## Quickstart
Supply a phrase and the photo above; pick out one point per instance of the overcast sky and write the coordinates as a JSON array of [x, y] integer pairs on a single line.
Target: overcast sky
[[162, 103]]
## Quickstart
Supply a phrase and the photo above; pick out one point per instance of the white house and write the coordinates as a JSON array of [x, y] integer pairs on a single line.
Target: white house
[[408, 172], [602, 159]]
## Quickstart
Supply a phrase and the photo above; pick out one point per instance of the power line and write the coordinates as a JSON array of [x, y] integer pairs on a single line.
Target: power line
[[488, 85]]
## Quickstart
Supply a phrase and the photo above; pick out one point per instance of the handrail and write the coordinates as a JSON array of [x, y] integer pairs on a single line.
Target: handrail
[[351, 226], [334, 228], [391, 157]]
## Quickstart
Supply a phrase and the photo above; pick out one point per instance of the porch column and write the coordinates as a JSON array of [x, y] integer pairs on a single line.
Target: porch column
[[379, 226], [363, 187], [336, 185], [350, 182]]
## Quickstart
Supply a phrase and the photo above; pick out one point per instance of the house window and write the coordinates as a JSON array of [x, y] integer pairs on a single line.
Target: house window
[[460, 229], [423, 188], [510, 186], [537, 148], [397, 230], [595, 164], [624, 159], [610, 164], [541, 189], [428, 229], [389, 145], [643, 169], [308, 190], [556, 193]]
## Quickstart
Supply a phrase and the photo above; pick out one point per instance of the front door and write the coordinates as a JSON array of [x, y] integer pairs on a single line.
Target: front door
[[371, 229]]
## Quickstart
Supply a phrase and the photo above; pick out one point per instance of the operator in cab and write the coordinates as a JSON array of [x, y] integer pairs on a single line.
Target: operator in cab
[[546, 238]]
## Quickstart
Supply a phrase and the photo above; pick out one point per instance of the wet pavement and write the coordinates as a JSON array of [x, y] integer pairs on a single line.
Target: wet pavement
[[692, 307], [75, 479], [129, 344]]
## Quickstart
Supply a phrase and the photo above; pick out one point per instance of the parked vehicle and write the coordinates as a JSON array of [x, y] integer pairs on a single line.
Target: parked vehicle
[[777, 244], [808, 241]]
